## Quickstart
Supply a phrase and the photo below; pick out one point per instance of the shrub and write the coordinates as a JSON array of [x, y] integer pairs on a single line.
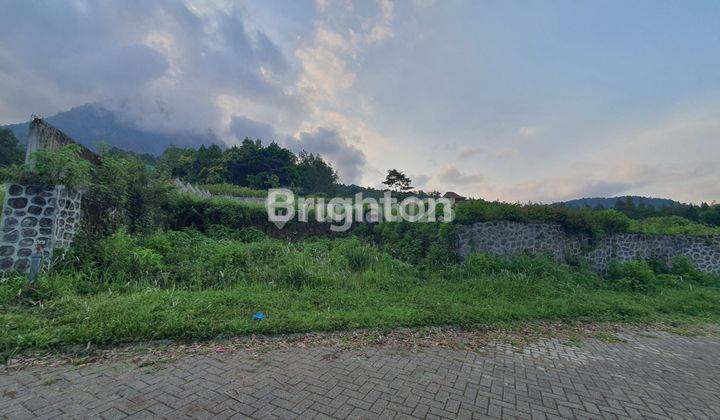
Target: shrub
[[483, 264], [683, 267], [63, 166], [632, 275], [293, 273], [267, 250], [125, 192], [233, 190], [187, 210], [612, 221], [672, 225], [358, 258], [416, 243], [120, 253], [249, 234], [658, 265]]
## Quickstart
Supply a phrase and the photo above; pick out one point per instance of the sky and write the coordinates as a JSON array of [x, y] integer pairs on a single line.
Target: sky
[[512, 100]]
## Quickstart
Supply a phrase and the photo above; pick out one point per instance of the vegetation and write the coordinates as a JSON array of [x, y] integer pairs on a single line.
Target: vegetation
[[125, 192], [706, 214], [11, 152], [671, 225], [250, 165], [233, 190], [152, 263], [186, 285], [398, 181], [596, 223], [62, 166]]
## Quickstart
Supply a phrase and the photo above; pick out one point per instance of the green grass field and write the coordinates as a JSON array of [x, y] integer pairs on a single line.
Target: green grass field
[[185, 285]]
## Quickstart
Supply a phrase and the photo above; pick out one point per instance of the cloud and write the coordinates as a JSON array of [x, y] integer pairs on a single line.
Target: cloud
[[501, 154], [528, 131], [470, 152], [194, 66], [383, 28], [371, 86], [420, 181], [677, 181], [328, 61], [243, 128], [347, 159], [450, 175], [163, 66]]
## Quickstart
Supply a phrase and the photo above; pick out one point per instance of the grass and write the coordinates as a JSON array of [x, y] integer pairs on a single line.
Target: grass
[[671, 225], [233, 190], [184, 285]]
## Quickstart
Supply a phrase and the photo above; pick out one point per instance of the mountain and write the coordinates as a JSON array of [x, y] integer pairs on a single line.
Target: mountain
[[609, 202], [91, 124]]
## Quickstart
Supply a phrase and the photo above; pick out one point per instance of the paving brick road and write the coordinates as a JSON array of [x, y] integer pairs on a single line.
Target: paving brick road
[[653, 375]]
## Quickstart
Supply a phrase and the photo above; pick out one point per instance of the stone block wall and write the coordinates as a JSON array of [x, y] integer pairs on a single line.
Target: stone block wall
[[704, 251], [31, 215], [507, 238]]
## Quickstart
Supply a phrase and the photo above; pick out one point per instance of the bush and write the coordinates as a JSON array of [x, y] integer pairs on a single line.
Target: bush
[[125, 193], [612, 221], [63, 166], [672, 225], [429, 244], [233, 190], [683, 267], [632, 275], [358, 256], [187, 210], [293, 273], [122, 256], [483, 264], [249, 234]]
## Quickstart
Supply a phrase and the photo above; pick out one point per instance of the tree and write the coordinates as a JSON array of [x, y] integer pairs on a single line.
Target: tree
[[314, 175], [11, 152], [125, 192], [397, 181], [627, 206]]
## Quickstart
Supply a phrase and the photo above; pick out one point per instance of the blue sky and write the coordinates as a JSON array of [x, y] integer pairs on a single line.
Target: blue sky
[[510, 100]]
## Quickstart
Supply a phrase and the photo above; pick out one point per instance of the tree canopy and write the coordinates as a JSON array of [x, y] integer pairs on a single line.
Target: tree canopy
[[251, 165], [398, 181], [11, 152]]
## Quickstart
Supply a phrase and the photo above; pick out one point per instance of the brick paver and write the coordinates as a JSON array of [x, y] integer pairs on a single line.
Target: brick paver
[[657, 375]]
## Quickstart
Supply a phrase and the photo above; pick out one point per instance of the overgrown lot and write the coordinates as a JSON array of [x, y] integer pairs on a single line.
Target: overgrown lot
[[188, 285], [154, 264]]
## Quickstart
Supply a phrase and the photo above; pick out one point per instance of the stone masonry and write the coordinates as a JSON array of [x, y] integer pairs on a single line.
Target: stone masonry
[[32, 215], [508, 238], [39, 215]]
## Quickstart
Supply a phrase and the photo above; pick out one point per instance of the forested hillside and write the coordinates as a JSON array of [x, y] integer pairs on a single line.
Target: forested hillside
[[91, 123]]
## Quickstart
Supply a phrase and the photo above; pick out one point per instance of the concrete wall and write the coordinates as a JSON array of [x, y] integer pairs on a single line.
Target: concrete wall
[[31, 215], [507, 238], [43, 136]]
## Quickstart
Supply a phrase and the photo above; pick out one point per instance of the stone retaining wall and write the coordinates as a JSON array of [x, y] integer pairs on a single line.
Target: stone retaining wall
[[32, 215], [507, 238]]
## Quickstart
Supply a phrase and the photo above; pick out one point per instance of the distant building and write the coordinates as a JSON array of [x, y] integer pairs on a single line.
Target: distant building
[[454, 196]]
